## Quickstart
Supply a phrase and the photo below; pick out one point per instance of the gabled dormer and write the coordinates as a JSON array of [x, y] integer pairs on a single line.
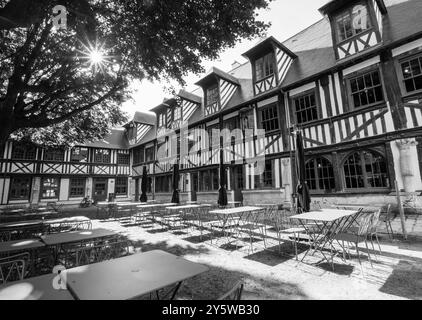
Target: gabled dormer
[[270, 62], [219, 87], [188, 103], [141, 124], [357, 25], [165, 116]]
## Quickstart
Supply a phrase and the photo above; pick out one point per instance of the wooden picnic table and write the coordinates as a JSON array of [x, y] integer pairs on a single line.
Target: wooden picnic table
[[76, 236], [39, 288], [130, 277]]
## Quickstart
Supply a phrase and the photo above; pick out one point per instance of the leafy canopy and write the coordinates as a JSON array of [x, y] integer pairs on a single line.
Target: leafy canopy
[[52, 92]]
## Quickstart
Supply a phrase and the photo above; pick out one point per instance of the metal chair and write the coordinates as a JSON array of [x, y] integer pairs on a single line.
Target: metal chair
[[387, 217], [13, 268], [234, 294], [366, 230]]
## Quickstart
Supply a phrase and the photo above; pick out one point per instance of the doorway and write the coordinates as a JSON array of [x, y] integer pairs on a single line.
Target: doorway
[[100, 189]]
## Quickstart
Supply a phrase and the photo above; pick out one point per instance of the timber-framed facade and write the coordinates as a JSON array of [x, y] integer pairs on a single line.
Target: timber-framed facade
[[352, 83]]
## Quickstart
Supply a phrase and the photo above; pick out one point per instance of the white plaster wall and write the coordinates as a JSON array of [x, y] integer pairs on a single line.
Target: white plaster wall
[[64, 189]]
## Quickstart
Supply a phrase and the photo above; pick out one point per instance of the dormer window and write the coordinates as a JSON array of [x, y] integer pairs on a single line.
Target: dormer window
[[352, 22], [264, 67], [357, 25], [161, 120], [212, 95]]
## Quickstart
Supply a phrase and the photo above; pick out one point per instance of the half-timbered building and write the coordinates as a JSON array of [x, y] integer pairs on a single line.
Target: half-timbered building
[[352, 83]]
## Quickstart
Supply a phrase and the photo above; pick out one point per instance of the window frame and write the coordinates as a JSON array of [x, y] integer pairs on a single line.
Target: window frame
[[362, 73], [29, 191], [163, 180], [318, 178], [365, 188], [70, 187], [126, 156], [406, 57], [44, 188], [216, 95], [27, 150], [119, 185], [153, 154], [103, 159], [349, 10], [261, 121], [301, 95], [261, 179], [268, 60], [80, 149]]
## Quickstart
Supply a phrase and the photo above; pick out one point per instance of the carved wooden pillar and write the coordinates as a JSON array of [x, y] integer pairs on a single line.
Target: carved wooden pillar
[[409, 164]]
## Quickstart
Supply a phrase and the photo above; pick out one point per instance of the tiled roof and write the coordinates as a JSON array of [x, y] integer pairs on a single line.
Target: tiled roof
[[220, 74], [115, 140]]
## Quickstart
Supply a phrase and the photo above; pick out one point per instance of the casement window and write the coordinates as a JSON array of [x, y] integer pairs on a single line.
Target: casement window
[[20, 188], [50, 188], [163, 184], [149, 154], [77, 187], [212, 95], [213, 135], [22, 152], [121, 186], [366, 170], [238, 178], [269, 118], [177, 114], [320, 175], [306, 109], [352, 22], [366, 89], [162, 120], [264, 67], [266, 179], [123, 158], [79, 154], [411, 69], [208, 180], [102, 156], [54, 155], [138, 156]]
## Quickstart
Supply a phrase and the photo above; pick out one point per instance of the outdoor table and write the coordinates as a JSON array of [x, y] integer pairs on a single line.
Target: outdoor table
[[233, 214], [58, 240], [9, 247], [79, 222], [130, 277], [76, 236], [39, 288], [154, 208], [184, 209], [328, 222], [20, 229]]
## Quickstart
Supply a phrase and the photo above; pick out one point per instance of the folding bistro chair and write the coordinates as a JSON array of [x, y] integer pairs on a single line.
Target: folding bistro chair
[[13, 268], [387, 217]]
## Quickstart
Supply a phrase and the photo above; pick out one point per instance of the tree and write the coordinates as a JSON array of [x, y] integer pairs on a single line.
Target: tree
[[67, 85]]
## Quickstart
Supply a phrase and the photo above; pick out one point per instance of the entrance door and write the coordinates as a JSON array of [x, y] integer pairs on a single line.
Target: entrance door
[[100, 189]]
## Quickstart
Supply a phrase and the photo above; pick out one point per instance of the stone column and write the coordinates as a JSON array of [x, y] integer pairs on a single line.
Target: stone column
[[36, 190], [409, 165]]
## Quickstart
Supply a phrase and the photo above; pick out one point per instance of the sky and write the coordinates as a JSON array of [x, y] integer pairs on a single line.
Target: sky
[[287, 18]]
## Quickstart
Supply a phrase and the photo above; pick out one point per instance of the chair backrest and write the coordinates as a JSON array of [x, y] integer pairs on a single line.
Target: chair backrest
[[12, 269], [375, 221], [233, 294]]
